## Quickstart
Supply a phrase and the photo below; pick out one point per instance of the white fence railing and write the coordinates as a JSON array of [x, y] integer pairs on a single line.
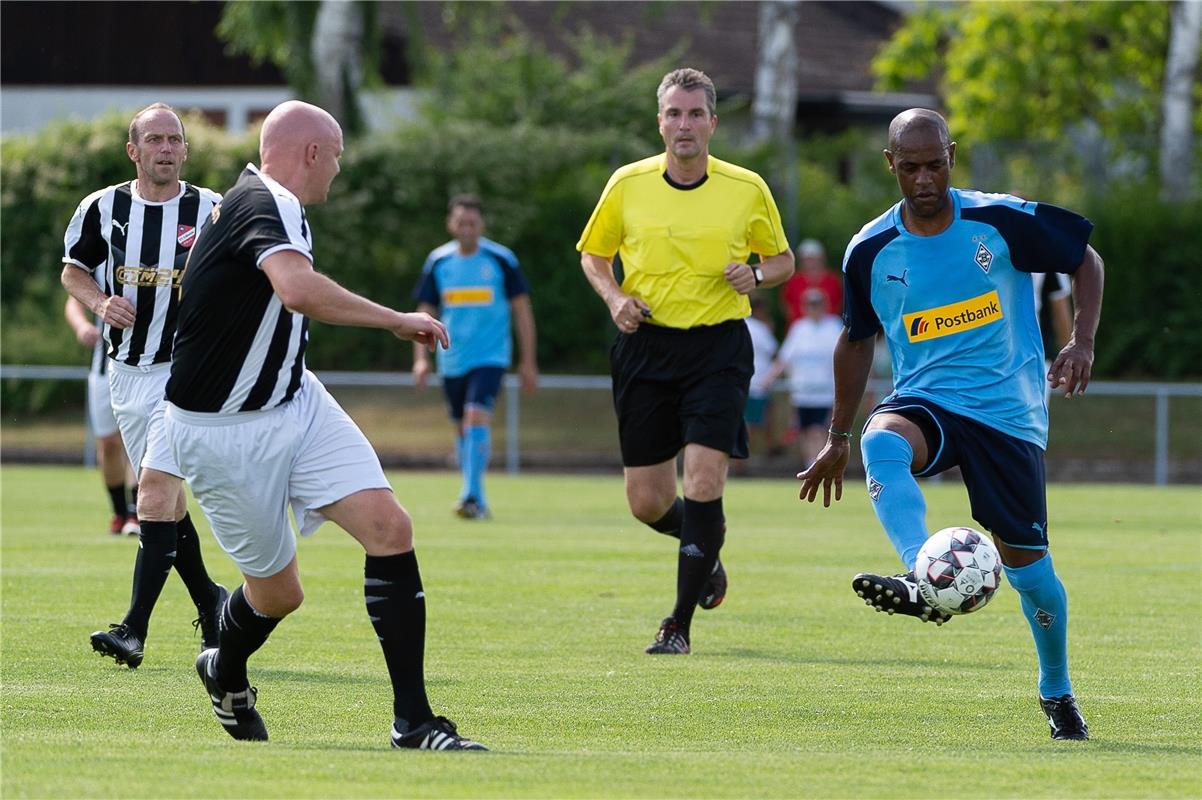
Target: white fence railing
[[1161, 392]]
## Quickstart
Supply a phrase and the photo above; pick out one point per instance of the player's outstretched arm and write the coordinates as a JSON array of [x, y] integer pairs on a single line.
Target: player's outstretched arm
[[306, 291], [1073, 367], [853, 363], [523, 323]]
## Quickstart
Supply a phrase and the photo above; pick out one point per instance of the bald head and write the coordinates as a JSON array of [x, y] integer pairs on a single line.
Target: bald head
[[292, 125], [914, 120], [299, 147]]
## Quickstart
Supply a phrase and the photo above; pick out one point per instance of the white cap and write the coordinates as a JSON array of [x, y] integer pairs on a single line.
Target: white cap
[[811, 247]]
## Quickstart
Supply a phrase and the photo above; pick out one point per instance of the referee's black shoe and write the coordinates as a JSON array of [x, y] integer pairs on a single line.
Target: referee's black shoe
[[235, 710], [1064, 718], [437, 734], [208, 619], [896, 595], [714, 590], [670, 640], [119, 643]]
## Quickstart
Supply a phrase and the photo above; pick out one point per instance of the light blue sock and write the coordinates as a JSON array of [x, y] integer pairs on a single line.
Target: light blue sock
[[1045, 605], [896, 498], [461, 456], [479, 447]]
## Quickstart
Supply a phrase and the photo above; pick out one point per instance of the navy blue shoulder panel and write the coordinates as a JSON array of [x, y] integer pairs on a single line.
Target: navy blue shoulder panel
[[858, 314], [1052, 239]]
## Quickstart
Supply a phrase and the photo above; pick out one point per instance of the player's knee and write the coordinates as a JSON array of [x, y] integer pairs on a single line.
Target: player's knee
[[647, 505], [160, 497], [280, 601], [394, 533]]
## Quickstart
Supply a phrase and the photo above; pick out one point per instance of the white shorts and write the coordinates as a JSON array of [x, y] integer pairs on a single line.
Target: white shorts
[[138, 398], [246, 469], [100, 406]]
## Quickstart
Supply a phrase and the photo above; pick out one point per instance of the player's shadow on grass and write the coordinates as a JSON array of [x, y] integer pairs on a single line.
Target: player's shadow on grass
[[909, 662]]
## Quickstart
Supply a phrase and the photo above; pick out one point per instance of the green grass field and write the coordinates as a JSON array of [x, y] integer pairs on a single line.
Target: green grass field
[[537, 623]]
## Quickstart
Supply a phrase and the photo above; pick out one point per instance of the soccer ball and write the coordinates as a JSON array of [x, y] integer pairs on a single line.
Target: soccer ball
[[957, 570]]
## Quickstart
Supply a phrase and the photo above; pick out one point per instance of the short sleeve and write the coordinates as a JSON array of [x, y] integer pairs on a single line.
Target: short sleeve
[[83, 244], [426, 290], [1045, 238], [603, 234], [765, 233], [859, 317]]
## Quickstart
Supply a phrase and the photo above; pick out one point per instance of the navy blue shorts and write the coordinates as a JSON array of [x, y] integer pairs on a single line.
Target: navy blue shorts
[[478, 387], [809, 416], [1004, 475]]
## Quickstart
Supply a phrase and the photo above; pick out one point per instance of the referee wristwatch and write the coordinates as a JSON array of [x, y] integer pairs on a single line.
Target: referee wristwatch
[[758, 274]]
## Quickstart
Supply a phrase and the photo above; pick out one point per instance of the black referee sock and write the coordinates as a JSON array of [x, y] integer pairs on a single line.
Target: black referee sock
[[669, 523], [117, 498], [191, 566], [701, 534], [243, 631], [396, 605], [156, 554]]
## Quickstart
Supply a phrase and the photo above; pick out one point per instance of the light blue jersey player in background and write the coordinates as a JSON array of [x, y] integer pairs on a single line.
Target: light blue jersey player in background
[[946, 274], [477, 289]]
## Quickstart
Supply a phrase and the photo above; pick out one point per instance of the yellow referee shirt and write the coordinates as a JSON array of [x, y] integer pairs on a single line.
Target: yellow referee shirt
[[676, 243]]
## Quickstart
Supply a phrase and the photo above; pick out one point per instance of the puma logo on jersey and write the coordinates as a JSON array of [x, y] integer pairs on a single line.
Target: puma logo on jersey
[[899, 278], [120, 227]]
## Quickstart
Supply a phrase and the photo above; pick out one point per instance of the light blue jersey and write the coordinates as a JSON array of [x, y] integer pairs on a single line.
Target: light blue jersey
[[958, 308], [473, 294]]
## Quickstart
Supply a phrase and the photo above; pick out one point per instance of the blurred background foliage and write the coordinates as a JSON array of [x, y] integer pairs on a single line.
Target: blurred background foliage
[[537, 135]]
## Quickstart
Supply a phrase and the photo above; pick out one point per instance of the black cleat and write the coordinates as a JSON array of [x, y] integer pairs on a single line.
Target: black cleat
[[896, 595], [120, 643], [1064, 718], [208, 620], [714, 590], [471, 508], [670, 640], [235, 710], [437, 734]]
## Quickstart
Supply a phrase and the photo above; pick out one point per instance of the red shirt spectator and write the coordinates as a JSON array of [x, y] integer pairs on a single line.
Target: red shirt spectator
[[814, 274]]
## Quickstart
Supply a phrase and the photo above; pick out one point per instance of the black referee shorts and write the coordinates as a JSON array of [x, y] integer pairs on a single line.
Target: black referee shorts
[[674, 387]]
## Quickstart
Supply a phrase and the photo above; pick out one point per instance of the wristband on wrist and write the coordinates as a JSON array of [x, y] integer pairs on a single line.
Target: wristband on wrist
[[840, 434]]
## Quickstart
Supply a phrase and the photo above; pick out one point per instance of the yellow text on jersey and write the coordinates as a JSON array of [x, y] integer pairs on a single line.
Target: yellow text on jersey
[[934, 323], [468, 296], [149, 276]]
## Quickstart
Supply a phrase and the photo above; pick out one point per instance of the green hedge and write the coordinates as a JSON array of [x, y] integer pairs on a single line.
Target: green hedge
[[386, 213]]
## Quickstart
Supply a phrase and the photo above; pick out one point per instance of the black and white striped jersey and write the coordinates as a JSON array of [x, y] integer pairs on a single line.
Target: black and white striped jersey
[[137, 248], [237, 347]]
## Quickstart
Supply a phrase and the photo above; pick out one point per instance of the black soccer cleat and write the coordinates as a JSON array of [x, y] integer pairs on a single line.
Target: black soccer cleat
[[235, 710], [119, 643], [1064, 718], [208, 619], [714, 590], [669, 640], [471, 508], [437, 734], [896, 595]]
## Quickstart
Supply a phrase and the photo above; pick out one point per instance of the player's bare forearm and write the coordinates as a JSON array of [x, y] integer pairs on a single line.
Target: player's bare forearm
[[853, 365], [113, 309], [523, 322], [1073, 367], [777, 269], [1087, 296], [627, 312]]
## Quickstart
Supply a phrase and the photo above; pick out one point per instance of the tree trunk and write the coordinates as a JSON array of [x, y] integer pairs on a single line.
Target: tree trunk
[[337, 42], [775, 104], [1176, 133]]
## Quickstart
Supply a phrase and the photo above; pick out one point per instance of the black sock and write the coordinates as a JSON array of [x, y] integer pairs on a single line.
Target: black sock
[[156, 554], [243, 631], [669, 523], [133, 500], [396, 605], [701, 536], [190, 565], [117, 498]]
